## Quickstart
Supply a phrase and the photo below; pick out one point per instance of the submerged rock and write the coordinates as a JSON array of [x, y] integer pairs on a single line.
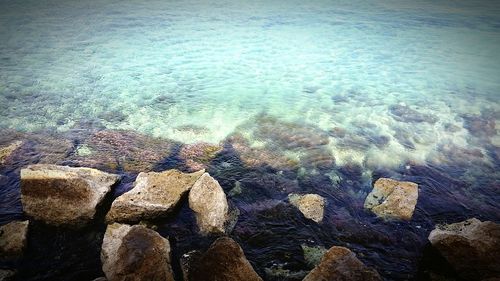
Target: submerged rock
[[13, 239], [255, 157], [6, 275], [392, 199], [223, 261], [339, 263], [313, 255], [310, 205], [197, 156], [406, 114], [62, 195], [209, 204], [7, 150], [471, 247], [480, 126], [113, 149], [135, 253], [154, 195], [319, 158]]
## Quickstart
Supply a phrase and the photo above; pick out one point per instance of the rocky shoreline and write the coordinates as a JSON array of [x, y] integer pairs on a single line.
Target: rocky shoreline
[[69, 197]]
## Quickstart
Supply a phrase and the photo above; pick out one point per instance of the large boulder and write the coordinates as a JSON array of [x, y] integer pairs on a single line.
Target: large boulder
[[392, 199], [339, 263], [223, 261], [154, 195], [208, 201], [13, 239], [62, 195], [311, 205], [471, 247], [135, 253]]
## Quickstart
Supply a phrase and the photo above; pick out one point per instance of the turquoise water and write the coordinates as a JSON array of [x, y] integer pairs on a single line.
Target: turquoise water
[[163, 67], [330, 94]]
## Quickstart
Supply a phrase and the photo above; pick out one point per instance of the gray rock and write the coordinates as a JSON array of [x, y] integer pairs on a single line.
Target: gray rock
[[471, 247], [135, 253], [154, 195], [61, 195]]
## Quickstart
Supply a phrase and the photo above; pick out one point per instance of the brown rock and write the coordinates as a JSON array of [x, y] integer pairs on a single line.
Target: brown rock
[[311, 205], [6, 151], [197, 156], [13, 237], [154, 195], [339, 263], [471, 247], [208, 201], [62, 195], [392, 199], [135, 253], [223, 261]]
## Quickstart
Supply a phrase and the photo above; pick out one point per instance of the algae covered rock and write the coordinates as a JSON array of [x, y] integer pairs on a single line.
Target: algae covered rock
[[392, 199], [135, 253], [7, 150], [13, 239], [339, 263], [197, 156], [311, 205], [61, 195], [223, 261], [208, 201], [471, 247], [154, 195]]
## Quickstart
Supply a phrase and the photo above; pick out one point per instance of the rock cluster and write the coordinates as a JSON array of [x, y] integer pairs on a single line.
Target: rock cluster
[[135, 253], [392, 199], [339, 263], [13, 239], [310, 205], [471, 247], [61, 195], [154, 195]]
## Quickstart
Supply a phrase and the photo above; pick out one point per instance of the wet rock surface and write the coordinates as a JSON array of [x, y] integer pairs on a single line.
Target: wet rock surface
[[62, 195], [392, 199], [208, 201], [7, 150], [339, 263], [153, 196], [310, 205], [471, 247], [224, 260], [135, 253], [13, 240]]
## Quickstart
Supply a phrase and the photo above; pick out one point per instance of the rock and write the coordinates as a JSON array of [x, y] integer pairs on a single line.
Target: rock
[[198, 156], [471, 247], [135, 253], [480, 126], [187, 261], [13, 239], [6, 275], [256, 157], [100, 279], [311, 205], [114, 149], [339, 263], [154, 195], [62, 195], [392, 199], [320, 158], [404, 113], [209, 203], [313, 255], [6, 151], [223, 261]]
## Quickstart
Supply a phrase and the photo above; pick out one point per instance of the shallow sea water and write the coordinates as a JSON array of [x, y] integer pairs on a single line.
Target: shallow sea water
[[300, 96]]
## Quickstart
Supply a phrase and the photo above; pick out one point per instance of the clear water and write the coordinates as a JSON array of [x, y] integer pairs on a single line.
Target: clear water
[[409, 83]]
